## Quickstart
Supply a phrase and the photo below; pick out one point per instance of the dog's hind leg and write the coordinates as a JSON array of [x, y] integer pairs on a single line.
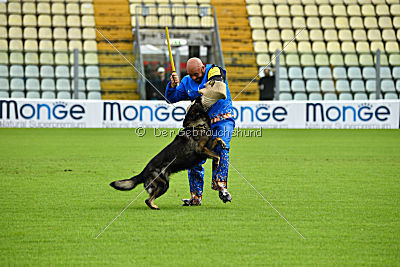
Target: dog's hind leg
[[158, 187], [150, 201]]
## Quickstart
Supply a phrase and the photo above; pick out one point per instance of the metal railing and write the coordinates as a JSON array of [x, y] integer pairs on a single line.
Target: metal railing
[[139, 66], [144, 10]]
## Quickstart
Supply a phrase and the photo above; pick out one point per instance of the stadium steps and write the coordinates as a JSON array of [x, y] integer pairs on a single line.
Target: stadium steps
[[237, 46], [117, 76]]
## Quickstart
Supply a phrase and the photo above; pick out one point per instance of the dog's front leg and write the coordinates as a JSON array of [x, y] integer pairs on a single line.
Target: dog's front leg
[[211, 154], [216, 141]]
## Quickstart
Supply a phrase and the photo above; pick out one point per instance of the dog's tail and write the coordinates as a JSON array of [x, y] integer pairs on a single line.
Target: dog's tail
[[127, 184]]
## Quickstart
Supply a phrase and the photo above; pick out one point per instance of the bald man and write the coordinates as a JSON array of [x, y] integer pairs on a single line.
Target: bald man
[[222, 124]]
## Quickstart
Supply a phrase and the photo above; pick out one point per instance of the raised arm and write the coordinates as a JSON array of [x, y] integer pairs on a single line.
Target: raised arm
[[175, 93]]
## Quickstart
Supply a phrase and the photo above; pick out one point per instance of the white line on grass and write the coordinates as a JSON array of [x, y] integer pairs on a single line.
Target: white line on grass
[[130, 63], [105, 228], [266, 200]]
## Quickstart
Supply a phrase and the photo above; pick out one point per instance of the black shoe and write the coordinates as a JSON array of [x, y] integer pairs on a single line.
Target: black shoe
[[225, 196], [190, 202], [186, 202]]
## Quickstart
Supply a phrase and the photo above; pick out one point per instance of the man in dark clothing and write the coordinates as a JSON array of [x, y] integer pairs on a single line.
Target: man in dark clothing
[[160, 82], [267, 85]]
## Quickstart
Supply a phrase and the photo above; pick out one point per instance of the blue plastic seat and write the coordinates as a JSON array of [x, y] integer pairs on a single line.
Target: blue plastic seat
[[391, 96], [339, 73], [372, 96], [295, 73], [93, 72], [369, 73], [310, 73], [283, 73], [360, 96], [17, 84], [283, 96], [357, 86], [46, 71], [63, 95], [324, 73], [330, 96], [4, 85], [312, 86], [32, 71], [396, 72], [32, 94], [370, 86], [17, 94], [345, 96], [298, 86], [354, 73], [48, 95], [32, 84], [284, 86], [4, 94], [342, 86], [63, 85], [16, 71], [93, 85], [315, 96], [62, 72], [327, 86], [300, 96], [385, 73], [96, 95], [4, 71], [387, 86]]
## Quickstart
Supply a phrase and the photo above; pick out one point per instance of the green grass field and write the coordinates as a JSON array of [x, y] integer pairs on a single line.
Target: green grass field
[[340, 188]]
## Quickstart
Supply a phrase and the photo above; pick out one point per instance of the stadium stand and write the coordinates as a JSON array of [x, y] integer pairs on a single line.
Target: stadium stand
[[36, 47], [334, 57], [336, 51], [239, 57], [234, 29], [118, 77]]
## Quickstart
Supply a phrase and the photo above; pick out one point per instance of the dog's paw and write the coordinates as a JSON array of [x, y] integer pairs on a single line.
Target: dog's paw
[[151, 205], [221, 143]]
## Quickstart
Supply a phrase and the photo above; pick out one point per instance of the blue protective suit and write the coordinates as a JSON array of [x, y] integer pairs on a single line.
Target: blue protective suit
[[189, 90]]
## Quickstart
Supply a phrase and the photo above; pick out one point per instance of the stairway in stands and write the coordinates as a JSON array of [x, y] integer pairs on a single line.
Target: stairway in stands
[[118, 77], [237, 46]]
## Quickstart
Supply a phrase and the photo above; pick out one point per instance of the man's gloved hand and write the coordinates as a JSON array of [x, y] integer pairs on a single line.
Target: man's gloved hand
[[174, 79]]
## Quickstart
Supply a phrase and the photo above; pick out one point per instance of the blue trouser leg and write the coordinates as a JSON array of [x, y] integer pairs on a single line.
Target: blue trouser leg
[[224, 130], [196, 181], [220, 174]]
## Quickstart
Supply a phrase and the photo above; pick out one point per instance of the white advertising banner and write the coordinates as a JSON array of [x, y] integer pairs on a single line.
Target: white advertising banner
[[39, 113]]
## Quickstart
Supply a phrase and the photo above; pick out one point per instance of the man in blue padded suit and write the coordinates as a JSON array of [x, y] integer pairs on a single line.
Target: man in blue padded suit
[[222, 125]]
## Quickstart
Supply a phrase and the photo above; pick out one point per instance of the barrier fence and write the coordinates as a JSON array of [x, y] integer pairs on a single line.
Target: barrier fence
[[37, 113]]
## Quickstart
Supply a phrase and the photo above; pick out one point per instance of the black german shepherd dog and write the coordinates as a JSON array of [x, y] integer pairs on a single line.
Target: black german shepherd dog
[[192, 145]]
